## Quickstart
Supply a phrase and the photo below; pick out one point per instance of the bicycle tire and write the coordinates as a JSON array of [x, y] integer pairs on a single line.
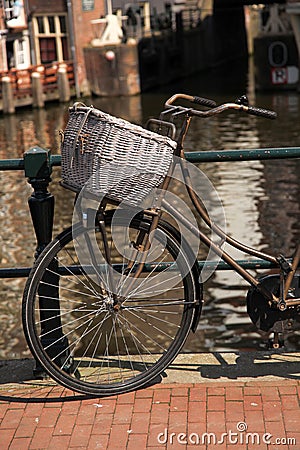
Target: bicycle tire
[[129, 348]]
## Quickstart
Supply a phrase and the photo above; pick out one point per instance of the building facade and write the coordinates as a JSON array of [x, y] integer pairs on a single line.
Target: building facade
[[39, 32]]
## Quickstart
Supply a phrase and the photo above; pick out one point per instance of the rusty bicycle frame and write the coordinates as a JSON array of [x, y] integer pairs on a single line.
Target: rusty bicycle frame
[[287, 268]]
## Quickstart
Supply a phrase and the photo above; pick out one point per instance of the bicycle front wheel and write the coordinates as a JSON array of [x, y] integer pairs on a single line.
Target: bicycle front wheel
[[71, 321]]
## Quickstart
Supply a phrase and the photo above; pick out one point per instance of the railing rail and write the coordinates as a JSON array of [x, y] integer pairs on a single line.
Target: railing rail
[[194, 157], [23, 272], [37, 164]]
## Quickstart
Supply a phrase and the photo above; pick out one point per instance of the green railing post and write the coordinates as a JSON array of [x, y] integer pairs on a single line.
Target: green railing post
[[41, 204]]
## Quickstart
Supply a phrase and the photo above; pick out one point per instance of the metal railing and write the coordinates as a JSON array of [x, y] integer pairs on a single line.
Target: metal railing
[[38, 163], [194, 157]]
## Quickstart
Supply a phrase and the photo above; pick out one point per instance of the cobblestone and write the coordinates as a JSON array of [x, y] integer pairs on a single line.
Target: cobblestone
[[175, 416]]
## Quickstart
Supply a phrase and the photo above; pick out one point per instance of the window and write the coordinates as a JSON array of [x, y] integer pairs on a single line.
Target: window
[[20, 52], [51, 38], [40, 24], [63, 25], [47, 50], [14, 15], [51, 22], [9, 9]]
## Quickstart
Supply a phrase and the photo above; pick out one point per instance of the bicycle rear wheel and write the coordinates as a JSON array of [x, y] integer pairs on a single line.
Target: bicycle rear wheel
[[74, 331]]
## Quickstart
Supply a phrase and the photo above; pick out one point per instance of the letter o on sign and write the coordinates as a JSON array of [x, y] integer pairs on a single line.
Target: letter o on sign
[[278, 54]]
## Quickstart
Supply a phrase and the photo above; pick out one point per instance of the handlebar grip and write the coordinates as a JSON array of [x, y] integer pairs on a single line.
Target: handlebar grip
[[204, 101], [261, 112]]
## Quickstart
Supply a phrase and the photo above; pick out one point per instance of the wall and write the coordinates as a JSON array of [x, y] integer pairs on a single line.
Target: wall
[[113, 70], [168, 57], [162, 58], [46, 6], [83, 34], [276, 62], [79, 27]]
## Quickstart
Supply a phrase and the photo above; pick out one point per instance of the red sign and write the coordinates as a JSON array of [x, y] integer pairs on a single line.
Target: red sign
[[279, 75]]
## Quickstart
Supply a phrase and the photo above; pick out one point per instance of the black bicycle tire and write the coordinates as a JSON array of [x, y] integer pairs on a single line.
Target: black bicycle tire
[[58, 374]]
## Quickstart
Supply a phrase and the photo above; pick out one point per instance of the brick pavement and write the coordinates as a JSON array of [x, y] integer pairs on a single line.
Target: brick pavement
[[209, 415]]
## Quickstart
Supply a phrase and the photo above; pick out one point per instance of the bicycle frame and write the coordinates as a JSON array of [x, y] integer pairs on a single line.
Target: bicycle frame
[[287, 270], [238, 245]]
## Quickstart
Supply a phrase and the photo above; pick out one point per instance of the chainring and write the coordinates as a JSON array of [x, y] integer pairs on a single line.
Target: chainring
[[269, 318]]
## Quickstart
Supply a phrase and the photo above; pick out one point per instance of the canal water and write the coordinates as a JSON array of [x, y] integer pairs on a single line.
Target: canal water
[[260, 198]]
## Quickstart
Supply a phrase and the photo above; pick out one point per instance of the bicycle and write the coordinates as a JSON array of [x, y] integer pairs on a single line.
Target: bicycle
[[111, 300]]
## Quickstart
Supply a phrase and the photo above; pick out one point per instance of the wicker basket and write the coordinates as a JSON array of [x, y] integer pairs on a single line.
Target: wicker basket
[[111, 156]]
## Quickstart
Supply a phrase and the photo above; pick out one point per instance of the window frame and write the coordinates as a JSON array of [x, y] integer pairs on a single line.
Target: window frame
[[58, 35]]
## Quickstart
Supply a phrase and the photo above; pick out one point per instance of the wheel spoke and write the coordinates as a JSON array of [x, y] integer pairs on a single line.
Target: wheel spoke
[[96, 341]]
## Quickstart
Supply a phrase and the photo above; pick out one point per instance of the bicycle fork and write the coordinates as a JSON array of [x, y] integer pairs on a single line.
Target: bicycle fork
[[136, 261]]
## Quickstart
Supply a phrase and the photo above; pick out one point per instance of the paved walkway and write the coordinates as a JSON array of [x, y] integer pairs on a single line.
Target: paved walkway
[[213, 405]]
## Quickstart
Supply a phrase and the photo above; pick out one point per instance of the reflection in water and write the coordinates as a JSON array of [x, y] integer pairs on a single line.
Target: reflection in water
[[261, 199]]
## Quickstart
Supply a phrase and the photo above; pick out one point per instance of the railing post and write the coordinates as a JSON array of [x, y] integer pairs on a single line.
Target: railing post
[[7, 96], [63, 85], [37, 90], [41, 204]]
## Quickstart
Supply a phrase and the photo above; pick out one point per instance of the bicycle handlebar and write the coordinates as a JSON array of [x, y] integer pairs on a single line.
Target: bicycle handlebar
[[193, 99], [252, 110], [261, 112]]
